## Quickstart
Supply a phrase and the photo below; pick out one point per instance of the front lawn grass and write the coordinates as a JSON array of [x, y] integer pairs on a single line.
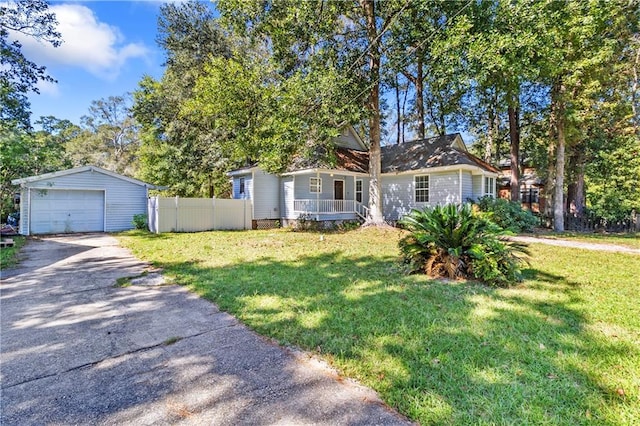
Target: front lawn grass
[[563, 347], [9, 255]]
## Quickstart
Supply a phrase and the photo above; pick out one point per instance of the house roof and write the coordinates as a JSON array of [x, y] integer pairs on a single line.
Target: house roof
[[81, 170], [439, 151], [350, 160]]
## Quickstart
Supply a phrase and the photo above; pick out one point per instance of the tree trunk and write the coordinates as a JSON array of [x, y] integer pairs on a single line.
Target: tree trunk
[[398, 112], [375, 187], [635, 88], [488, 146], [514, 137], [577, 198], [557, 101], [420, 95]]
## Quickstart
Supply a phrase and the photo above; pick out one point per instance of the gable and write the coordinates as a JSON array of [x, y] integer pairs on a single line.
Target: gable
[[440, 151], [350, 139]]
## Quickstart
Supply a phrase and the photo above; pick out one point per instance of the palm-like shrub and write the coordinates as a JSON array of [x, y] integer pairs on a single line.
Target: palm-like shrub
[[455, 242]]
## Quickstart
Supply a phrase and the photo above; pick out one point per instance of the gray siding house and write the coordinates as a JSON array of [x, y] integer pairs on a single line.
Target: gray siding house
[[84, 199], [416, 174]]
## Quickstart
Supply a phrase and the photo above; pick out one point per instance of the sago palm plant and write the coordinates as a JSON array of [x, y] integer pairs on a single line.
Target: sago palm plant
[[453, 241]]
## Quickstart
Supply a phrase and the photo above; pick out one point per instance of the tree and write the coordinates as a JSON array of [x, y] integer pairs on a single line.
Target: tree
[[25, 154], [109, 136], [343, 36], [18, 75], [176, 151], [580, 45]]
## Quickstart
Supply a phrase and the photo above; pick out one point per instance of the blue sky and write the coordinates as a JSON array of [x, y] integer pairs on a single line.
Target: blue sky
[[108, 46]]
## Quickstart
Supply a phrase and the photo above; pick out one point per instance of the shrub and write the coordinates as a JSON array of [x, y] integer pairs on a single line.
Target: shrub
[[452, 241], [140, 221], [507, 214]]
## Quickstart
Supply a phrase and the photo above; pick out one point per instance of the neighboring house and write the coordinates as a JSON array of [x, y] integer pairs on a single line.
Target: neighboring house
[[531, 186], [84, 199], [416, 174]]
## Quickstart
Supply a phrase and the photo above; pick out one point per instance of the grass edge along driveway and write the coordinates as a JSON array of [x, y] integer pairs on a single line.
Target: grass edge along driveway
[[563, 347]]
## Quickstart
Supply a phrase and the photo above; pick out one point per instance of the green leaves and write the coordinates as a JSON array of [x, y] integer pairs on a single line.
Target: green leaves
[[455, 242]]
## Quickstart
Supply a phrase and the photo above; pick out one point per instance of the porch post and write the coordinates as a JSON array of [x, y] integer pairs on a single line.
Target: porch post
[[318, 196]]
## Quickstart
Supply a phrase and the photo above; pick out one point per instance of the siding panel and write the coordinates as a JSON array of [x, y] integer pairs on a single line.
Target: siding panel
[[265, 195], [467, 186]]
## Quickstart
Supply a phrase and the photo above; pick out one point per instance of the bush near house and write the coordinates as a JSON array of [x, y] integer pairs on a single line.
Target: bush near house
[[507, 214], [455, 242], [140, 221]]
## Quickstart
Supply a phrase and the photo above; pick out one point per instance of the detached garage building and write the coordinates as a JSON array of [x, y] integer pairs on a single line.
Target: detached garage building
[[84, 199]]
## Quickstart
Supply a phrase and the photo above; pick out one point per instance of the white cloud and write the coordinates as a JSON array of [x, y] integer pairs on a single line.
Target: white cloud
[[88, 43], [49, 88]]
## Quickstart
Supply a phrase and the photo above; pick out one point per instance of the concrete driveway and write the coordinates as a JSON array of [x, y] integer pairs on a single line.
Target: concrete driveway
[[77, 350]]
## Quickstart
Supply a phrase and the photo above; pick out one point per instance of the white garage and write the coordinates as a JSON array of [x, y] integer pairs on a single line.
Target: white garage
[[84, 199]]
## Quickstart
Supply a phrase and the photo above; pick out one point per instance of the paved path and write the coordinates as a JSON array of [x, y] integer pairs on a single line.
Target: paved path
[[576, 244], [77, 350]]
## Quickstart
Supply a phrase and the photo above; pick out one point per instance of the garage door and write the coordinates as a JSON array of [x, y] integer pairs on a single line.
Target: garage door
[[56, 211]]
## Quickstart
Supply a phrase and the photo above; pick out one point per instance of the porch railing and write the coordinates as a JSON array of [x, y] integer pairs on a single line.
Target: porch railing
[[331, 206], [324, 206]]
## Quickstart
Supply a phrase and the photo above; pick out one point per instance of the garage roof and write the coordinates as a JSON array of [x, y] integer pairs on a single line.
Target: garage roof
[[81, 170]]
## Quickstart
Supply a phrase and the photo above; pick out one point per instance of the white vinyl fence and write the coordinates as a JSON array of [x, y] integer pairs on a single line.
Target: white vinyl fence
[[197, 214]]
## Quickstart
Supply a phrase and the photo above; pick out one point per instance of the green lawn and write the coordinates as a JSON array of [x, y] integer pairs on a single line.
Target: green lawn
[[563, 347], [9, 255]]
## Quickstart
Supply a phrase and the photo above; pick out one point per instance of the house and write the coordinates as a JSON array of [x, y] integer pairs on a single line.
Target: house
[[416, 174], [531, 186], [84, 199]]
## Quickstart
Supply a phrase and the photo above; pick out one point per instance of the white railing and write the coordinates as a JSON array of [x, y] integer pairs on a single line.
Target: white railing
[[324, 206], [362, 210]]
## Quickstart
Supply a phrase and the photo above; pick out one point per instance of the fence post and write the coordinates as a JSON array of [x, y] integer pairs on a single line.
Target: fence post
[[177, 211]]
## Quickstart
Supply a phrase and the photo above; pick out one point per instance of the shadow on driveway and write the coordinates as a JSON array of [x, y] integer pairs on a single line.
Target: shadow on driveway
[[76, 349]]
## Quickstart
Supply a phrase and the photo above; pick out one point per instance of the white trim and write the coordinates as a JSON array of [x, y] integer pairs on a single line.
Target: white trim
[[252, 194], [493, 186], [83, 169], [357, 137], [355, 190], [460, 186], [244, 171], [325, 171], [104, 214], [29, 211]]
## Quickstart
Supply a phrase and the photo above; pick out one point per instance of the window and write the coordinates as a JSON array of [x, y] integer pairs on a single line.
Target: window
[[359, 191], [422, 189], [241, 190], [315, 185], [530, 195], [490, 186]]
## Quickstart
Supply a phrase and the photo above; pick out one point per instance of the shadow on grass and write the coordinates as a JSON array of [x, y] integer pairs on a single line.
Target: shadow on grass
[[455, 352]]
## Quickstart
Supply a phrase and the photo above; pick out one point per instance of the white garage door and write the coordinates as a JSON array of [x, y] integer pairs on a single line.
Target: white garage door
[[56, 211]]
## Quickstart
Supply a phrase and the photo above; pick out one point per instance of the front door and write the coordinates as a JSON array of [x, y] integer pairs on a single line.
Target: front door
[[338, 195]]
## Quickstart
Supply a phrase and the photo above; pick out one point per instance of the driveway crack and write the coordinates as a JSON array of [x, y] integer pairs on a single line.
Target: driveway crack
[[164, 343]]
